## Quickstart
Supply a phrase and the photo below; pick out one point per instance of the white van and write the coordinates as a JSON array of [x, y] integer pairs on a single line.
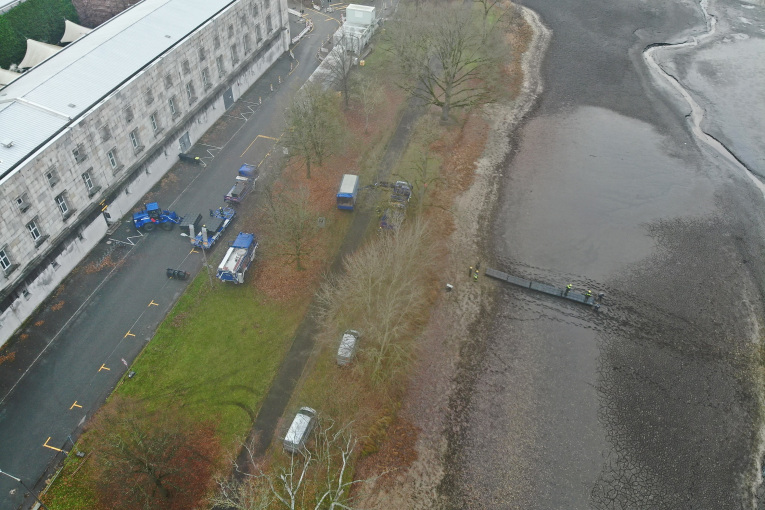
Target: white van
[[348, 345], [301, 428]]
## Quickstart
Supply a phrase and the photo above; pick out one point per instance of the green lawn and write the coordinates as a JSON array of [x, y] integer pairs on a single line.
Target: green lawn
[[216, 355]]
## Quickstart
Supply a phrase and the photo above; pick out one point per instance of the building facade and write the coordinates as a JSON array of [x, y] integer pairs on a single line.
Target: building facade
[[85, 134]]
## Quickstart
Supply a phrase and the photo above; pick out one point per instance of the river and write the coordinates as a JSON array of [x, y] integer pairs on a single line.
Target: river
[[636, 175]]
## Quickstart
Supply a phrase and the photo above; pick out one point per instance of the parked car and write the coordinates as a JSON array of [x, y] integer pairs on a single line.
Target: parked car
[[349, 342], [300, 429]]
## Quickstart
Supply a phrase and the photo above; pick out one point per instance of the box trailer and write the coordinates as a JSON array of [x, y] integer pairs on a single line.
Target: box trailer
[[243, 184], [349, 189]]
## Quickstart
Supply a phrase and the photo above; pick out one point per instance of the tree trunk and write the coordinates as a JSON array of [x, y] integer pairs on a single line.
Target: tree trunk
[[445, 112], [161, 488], [447, 103]]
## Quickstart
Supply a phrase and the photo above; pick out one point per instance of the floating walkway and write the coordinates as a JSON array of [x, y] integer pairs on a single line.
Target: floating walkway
[[541, 287]]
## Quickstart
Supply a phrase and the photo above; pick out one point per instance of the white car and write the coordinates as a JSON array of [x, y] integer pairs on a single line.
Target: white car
[[348, 345], [300, 429]]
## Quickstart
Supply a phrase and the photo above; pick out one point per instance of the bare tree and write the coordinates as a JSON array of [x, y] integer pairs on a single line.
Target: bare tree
[[383, 292], [369, 94], [291, 223], [150, 459], [319, 477], [440, 55], [313, 129], [340, 61], [500, 9]]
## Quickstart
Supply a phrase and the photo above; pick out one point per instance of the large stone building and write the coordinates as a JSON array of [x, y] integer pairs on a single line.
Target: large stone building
[[99, 123]]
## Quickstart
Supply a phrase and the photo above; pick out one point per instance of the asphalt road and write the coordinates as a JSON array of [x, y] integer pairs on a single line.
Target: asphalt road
[[70, 362], [654, 402]]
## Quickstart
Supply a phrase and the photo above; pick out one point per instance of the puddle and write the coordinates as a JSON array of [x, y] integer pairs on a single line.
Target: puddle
[[584, 186]]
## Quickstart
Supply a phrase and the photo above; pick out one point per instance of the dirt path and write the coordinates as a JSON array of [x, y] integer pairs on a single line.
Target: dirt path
[[445, 345], [289, 373]]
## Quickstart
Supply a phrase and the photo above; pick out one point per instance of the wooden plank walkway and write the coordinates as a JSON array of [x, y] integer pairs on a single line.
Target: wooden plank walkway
[[541, 287]]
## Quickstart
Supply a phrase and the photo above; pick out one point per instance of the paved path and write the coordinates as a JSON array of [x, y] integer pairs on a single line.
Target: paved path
[[70, 359]]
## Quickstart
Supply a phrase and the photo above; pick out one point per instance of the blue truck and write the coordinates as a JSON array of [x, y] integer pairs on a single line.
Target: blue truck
[[219, 221], [349, 189], [153, 215], [245, 181], [238, 258]]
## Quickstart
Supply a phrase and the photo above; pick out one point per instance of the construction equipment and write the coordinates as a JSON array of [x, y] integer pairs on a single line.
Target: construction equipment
[[244, 183], [221, 218], [395, 214], [153, 215], [238, 258]]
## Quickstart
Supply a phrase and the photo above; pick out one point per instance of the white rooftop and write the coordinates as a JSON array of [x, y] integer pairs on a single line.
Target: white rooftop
[[42, 101]]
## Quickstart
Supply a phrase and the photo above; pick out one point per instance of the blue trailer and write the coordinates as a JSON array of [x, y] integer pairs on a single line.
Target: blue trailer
[[220, 219], [238, 258], [349, 189], [153, 215], [245, 181]]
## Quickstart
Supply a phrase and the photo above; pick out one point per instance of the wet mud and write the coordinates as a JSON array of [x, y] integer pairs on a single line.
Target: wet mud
[[655, 401]]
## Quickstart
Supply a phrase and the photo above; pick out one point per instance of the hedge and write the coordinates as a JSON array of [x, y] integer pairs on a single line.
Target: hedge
[[42, 20]]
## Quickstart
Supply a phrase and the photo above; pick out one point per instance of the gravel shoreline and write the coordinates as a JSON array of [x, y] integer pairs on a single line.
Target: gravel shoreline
[[450, 330]]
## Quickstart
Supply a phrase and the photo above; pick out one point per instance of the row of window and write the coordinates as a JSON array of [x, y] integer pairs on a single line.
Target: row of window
[[80, 154], [34, 231]]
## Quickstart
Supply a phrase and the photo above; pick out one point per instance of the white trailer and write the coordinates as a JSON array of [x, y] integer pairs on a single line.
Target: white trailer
[[238, 258]]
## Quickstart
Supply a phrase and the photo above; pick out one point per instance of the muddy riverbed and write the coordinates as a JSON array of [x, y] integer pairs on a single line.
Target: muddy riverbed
[[655, 401]]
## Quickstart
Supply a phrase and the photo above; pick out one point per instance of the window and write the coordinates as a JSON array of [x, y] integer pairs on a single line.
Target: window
[[206, 78], [52, 175], [154, 120], [22, 202], [267, 4], [221, 67], [243, 21], [269, 26], [234, 54], [190, 95], [171, 103], [258, 34], [168, 80], [5, 260], [135, 141], [186, 67], [231, 31], [216, 42], [254, 9], [63, 205], [149, 96], [34, 231], [79, 152], [128, 111], [113, 161], [202, 54], [105, 133], [90, 185], [246, 43]]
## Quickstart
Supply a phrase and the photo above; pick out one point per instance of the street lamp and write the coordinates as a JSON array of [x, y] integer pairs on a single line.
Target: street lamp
[[25, 488]]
